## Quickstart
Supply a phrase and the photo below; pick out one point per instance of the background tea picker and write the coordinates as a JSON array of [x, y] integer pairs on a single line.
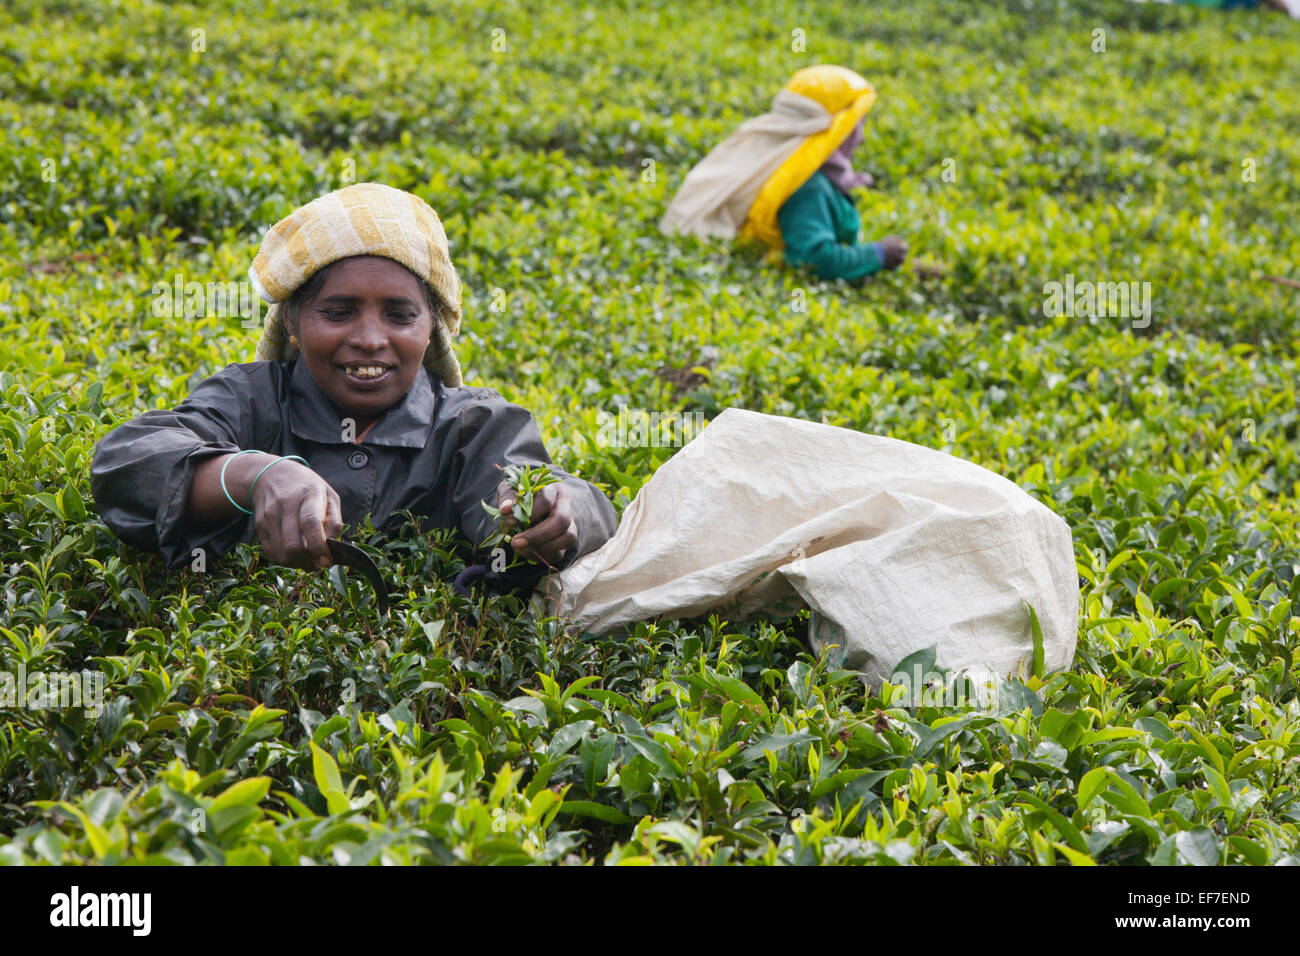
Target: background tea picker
[[786, 178]]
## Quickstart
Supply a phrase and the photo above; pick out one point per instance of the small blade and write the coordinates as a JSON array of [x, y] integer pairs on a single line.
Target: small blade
[[350, 556]]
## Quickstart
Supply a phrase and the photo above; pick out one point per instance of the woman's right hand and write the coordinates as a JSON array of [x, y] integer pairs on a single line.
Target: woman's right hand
[[895, 250], [295, 511]]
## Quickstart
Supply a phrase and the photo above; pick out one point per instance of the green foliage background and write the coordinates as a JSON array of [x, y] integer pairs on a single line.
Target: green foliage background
[[258, 715]]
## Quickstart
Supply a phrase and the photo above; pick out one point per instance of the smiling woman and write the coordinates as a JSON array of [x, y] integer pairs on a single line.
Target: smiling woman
[[355, 408]]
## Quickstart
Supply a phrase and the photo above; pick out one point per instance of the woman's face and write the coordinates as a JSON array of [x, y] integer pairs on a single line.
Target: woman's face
[[363, 335], [854, 139]]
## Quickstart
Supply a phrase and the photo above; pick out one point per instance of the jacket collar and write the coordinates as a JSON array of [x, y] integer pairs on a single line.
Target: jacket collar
[[405, 424]]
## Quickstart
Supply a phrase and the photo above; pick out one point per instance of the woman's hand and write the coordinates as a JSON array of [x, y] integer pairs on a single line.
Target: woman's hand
[[295, 511], [895, 249], [553, 532]]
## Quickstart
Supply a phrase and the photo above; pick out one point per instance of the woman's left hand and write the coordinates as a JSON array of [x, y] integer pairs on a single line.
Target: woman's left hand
[[554, 530]]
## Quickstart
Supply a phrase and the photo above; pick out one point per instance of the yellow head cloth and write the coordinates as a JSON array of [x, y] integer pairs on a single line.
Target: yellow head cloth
[[847, 97], [367, 219]]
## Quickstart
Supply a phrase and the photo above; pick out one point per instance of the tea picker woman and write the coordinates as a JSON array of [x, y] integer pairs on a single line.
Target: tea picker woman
[[786, 179], [1286, 6], [355, 406]]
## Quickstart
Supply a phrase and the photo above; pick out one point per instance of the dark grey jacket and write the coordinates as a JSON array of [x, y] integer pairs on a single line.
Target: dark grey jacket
[[432, 453]]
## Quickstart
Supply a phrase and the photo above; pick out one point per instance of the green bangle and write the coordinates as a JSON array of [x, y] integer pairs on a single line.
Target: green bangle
[[263, 471], [226, 464]]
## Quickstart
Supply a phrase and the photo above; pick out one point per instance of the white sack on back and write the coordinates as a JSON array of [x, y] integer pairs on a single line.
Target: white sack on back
[[895, 547]]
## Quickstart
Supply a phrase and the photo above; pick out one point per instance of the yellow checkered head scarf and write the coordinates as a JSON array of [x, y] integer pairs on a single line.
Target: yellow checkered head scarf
[[367, 219]]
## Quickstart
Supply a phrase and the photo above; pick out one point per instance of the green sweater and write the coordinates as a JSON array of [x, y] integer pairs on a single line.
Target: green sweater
[[820, 227]]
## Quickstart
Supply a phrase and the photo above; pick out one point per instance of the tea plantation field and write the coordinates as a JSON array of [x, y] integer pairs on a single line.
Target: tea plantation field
[[254, 714]]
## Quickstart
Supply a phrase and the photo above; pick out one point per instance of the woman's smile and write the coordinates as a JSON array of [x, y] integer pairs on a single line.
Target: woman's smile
[[365, 376]]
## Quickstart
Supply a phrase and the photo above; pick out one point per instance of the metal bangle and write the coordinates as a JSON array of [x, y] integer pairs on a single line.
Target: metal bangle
[[226, 464]]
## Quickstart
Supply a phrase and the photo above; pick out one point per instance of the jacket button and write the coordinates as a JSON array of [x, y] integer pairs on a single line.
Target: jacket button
[[358, 459]]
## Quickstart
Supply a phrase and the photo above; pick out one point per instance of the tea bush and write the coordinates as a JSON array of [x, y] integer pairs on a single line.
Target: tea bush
[[253, 714]]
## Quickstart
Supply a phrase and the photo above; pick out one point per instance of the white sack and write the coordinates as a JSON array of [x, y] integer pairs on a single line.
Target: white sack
[[895, 546], [715, 197]]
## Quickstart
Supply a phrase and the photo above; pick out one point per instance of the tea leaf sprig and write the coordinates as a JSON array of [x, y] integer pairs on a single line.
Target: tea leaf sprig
[[525, 481]]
